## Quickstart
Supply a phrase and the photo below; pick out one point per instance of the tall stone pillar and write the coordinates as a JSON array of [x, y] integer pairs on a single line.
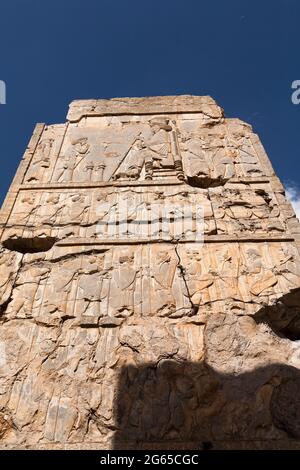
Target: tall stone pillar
[[149, 284]]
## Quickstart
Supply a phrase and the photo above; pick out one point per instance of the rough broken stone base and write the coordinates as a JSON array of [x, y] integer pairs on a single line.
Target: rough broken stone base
[[287, 444]]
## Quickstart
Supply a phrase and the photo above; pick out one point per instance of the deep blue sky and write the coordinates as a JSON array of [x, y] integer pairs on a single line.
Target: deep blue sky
[[244, 53]]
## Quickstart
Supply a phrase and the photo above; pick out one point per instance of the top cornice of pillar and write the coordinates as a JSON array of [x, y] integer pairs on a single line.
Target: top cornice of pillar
[[147, 105]]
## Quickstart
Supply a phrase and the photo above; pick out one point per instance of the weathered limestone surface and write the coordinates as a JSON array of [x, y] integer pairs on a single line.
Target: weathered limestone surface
[[150, 284]]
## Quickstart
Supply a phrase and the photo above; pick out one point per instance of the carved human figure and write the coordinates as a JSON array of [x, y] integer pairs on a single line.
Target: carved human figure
[[248, 158], [232, 142], [51, 211], [238, 144], [77, 207], [286, 267], [8, 268], [41, 161], [67, 164], [66, 210], [198, 161], [89, 286], [59, 286], [127, 214], [198, 278], [226, 270], [260, 278], [26, 299], [122, 285], [133, 163], [157, 141], [163, 270], [151, 149], [103, 209], [207, 162], [28, 209], [223, 165]]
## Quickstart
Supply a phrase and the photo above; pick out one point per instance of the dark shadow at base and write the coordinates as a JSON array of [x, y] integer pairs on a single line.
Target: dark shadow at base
[[284, 316], [185, 405]]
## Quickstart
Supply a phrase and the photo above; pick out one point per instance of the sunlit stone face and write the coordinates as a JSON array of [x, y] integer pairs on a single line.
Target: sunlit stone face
[[149, 278]]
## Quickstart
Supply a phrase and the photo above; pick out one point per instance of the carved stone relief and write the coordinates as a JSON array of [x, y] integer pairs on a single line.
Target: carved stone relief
[[150, 284], [245, 210]]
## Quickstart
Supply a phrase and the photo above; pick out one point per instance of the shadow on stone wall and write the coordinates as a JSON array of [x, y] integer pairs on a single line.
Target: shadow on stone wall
[[174, 405], [283, 316]]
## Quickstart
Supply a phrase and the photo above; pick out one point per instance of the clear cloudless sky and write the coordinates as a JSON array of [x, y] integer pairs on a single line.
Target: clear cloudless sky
[[244, 53]]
